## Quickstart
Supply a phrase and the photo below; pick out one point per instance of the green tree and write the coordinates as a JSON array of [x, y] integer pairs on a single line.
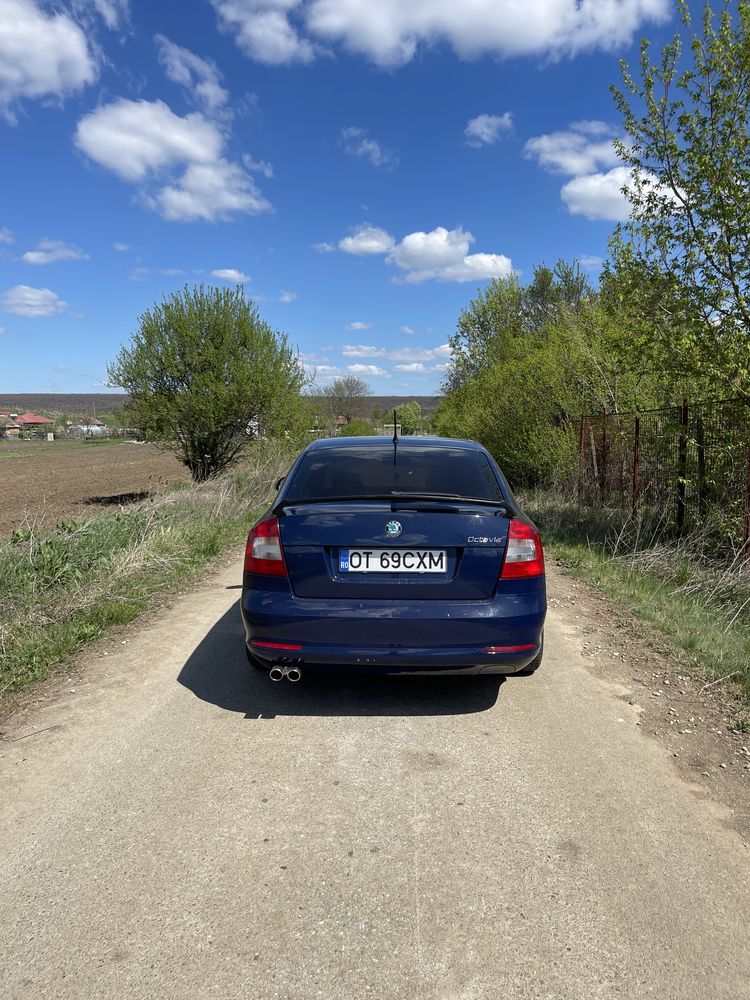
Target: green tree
[[357, 428], [346, 396], [507, 310], [685, 251], [409, 415], [205, 374]]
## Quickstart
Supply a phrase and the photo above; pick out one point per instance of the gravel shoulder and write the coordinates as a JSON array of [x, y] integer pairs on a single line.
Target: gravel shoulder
[[174, 825], [692, 720]]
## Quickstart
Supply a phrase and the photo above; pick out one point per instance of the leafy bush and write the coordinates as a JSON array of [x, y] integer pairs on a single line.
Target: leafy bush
[[357, 428]]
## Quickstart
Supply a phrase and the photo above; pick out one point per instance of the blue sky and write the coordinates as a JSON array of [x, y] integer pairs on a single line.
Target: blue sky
[[363, 168]]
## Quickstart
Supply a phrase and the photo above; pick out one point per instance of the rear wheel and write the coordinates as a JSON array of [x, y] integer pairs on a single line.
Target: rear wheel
[[535, 663]]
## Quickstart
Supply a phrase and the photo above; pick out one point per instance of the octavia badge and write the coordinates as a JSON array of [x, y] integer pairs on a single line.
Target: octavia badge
[[393, 529]]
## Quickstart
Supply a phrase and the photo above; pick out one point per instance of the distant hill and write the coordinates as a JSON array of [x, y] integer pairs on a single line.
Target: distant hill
[[428, 403], [83, 404], [75, 404]]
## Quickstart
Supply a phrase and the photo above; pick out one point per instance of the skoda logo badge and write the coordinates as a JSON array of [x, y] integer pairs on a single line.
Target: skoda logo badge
[[393, 529]]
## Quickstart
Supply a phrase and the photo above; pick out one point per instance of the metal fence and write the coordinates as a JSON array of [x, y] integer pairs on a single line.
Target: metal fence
[[687, 463]]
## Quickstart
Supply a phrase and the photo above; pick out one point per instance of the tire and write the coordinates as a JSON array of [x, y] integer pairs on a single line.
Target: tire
[[535, 663]]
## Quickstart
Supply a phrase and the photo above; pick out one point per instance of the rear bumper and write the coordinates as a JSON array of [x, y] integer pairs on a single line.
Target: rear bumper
[[407, 660], [426, 637]]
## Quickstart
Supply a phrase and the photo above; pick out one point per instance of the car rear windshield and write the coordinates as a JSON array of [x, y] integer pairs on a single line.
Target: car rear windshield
[[374, 471]]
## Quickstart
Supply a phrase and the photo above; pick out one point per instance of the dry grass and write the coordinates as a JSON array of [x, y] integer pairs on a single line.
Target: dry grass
[[686, 589], [64, 587]]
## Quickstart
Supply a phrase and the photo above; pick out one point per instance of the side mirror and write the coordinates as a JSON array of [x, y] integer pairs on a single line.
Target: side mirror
[[277, 484]]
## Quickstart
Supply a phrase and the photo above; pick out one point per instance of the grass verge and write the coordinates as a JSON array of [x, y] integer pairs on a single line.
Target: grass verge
[[679, 592], [64, 588]]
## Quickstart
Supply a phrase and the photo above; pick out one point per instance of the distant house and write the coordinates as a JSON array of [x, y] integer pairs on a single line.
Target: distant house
[[8, 426], [30, 421]]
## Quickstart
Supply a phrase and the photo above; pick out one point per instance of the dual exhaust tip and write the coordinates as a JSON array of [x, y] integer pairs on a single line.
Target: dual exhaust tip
[[278, 673]]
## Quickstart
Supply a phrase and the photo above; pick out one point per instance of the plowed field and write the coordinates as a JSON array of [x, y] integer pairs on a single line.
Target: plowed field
[[45, 482]]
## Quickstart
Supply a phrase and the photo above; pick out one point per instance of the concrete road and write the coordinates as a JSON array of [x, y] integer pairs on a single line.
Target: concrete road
[[177, 827]]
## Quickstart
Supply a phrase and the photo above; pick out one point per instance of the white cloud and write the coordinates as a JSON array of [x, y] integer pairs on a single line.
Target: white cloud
[[199, 76], [581, 149], [415, 366], [41, 55], [6, 236], [139, 273], [33, 302], [408, 330], [140, 139], [389, 32], [599, 196], [112, 12], [121, 247], [323, 247], [49, 251], [133, 138], [367, 370], [357, 142], [486, 130], [590, 262], [362, 351], [211, 191], [230, 274], [405, 354], [359, 325], [287, 297], [323, 372], [366, 239], [442, 255], [258, 166], [263, 31]]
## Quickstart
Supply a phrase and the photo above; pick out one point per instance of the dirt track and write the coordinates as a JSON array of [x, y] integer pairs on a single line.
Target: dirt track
[[47, 482], [174, 825]]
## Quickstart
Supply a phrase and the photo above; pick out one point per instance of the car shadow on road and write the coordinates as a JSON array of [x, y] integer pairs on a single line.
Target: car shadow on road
[[217, 672]]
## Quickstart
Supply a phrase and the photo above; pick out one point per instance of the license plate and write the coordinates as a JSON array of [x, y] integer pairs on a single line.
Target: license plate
[[392, 561]]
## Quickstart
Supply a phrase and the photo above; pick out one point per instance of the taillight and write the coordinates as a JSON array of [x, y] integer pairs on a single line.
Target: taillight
[[523, 556], [264, 553]]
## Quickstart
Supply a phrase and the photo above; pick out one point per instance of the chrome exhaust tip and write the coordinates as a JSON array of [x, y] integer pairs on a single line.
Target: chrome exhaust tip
[[277, 673], [294, 674]]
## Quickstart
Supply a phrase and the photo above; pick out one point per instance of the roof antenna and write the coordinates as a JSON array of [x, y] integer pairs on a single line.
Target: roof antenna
[[395, 436]]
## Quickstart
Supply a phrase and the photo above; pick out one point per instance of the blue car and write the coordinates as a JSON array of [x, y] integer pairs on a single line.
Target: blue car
[[409, 555]]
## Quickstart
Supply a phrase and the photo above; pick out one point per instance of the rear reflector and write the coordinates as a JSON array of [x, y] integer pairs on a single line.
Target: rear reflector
[[275, 645], [509, 649], [523, 556], [264, 553]]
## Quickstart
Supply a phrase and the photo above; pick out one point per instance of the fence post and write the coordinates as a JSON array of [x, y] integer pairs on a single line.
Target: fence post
[[682, 466], [603, 468], [746, 531], [581, 455], [700, 440], [636, 465]]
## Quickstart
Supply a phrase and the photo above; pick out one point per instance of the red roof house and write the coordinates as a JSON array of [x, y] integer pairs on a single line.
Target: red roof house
[[32, 420]]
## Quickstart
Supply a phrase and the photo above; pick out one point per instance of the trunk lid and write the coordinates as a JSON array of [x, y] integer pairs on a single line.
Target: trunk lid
[[316, 536]]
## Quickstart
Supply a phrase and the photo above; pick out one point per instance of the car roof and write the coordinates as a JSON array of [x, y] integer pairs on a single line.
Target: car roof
[[382, 440]]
